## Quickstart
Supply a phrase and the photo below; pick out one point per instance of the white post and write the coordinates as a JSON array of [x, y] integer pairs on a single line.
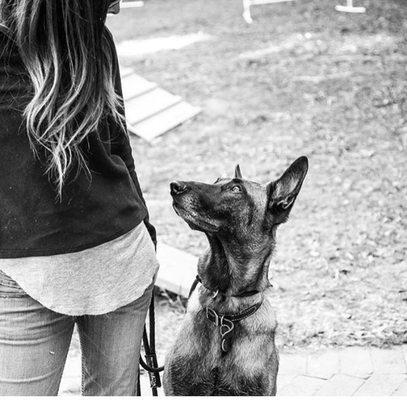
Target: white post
[[350, 8]]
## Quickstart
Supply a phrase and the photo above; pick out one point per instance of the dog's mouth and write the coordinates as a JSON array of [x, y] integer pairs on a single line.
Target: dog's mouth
[[180, 211], [193, 219]]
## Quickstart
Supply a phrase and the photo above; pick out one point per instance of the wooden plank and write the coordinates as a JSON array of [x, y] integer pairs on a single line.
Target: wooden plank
[[149, 104], [150, 110], [161, 123], [134, 86], [177, 271]]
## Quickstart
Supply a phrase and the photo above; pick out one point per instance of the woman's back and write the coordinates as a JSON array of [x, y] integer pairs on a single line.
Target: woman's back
[[92, 210], [74, 248]]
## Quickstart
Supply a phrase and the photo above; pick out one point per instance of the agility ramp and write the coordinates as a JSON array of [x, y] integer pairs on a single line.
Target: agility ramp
[[150, 110]]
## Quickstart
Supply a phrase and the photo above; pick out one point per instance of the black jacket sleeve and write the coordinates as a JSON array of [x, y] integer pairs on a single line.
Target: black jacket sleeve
[[121, 145]]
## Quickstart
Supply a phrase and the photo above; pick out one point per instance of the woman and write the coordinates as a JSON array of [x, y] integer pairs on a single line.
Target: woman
[[76, 247]]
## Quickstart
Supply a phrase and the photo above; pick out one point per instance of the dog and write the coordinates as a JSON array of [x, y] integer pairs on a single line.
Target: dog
[[226, 345]]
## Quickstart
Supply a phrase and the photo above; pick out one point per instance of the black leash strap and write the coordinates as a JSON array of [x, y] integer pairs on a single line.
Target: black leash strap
[[194, 285], [150, 364]]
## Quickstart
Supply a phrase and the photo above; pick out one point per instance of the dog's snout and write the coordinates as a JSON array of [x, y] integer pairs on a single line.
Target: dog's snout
[[178, 188]]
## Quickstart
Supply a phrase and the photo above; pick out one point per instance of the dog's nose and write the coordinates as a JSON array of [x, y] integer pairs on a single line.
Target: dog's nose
[[178, 188]]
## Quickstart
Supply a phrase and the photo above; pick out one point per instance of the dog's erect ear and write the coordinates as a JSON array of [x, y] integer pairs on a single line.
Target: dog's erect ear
[[238, 173], [284, 191]]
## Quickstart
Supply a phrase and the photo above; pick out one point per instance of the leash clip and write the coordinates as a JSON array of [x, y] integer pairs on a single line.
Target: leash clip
[[226, 323], [229, 325], [210, 313]]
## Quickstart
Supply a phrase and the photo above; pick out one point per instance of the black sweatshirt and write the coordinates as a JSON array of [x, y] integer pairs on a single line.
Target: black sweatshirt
[[32, 221]]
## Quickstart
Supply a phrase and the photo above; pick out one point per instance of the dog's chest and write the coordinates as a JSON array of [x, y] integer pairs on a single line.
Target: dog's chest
[[199, 365]]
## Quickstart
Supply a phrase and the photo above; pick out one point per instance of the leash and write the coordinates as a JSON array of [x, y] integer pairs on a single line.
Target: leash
[[150, 364]]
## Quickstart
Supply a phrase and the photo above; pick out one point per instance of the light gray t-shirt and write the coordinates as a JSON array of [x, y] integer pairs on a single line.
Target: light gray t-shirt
[[89, 282]]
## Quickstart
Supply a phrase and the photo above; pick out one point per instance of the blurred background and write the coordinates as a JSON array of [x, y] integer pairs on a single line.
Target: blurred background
[[302, 79]]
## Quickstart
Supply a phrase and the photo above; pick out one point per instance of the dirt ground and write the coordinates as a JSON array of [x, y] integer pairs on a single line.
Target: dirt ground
[[303, 79]]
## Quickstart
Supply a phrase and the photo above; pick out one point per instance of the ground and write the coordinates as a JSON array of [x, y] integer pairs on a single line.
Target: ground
[[352, 371], [302, 80]]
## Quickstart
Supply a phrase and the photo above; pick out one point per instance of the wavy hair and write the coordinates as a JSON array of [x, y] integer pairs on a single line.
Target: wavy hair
[[64, 45]]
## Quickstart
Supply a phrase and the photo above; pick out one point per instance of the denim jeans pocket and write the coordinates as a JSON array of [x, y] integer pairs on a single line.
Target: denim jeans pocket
[[9, 287]]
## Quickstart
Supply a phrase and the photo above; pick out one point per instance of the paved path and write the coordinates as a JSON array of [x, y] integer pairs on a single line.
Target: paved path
[[353, 371]]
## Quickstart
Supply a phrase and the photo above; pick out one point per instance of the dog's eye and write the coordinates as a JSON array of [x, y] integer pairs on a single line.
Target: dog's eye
[[218, 180], [236, 189]]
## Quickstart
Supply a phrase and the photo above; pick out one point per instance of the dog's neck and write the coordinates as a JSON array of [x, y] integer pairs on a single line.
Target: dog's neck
[[233, 269]]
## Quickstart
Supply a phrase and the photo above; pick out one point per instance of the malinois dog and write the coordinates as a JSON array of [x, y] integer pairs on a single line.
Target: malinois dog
[[226, 342]]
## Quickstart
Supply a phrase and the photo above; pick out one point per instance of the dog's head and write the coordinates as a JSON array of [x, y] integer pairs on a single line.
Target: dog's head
[[236, 206]]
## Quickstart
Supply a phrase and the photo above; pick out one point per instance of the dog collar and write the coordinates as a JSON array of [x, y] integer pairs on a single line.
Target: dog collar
[[216, 292], [226, 322]]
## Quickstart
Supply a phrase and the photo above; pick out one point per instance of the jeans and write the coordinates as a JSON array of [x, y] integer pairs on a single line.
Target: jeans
[[34, 342]]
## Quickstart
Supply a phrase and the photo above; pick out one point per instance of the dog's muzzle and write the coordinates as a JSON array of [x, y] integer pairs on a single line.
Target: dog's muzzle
[[178, 188]]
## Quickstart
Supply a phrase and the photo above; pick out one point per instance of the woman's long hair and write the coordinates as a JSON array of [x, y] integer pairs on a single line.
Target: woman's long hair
[[65, 49]]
